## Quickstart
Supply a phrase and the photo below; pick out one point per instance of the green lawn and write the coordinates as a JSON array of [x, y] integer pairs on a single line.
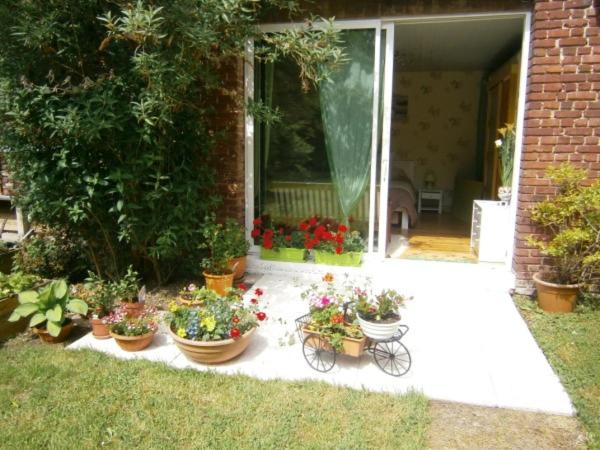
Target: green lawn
[[572, 344], [54, 398]]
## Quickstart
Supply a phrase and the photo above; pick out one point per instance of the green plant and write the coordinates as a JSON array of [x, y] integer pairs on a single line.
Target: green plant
[[108, 111], [120, 323], [570, 221], [234, 237], [16, 282], [380, 307], [506, 144], [99, 295], [198, 296], [48, 306], [216, 261], [127, 287], [216, 319]]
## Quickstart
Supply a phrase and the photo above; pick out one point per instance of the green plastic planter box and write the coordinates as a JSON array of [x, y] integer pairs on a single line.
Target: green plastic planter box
[[333, 259], [283, 254]]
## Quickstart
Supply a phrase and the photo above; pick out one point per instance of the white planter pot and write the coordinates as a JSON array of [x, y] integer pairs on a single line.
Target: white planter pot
[[379, 331]]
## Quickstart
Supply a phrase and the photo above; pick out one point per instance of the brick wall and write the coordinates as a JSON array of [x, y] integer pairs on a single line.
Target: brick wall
[[562, 115]]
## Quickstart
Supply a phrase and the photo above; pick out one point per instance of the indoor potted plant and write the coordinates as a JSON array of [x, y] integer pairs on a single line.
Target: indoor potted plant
[[571, 238], [132, 334], [10, 286], [330, 318], [334, 244], [218, 275], [48, 308], [216, 331], [127, 290], [281, 243], [100, 298], [237, 246], [506, 148], [377, 314]]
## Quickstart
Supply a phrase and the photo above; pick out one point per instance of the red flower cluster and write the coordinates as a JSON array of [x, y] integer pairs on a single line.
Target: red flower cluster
[[337, 319], [323, 232]]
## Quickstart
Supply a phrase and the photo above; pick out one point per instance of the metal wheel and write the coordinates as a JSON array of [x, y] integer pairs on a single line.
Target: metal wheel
[[318, 353], [392, 357]]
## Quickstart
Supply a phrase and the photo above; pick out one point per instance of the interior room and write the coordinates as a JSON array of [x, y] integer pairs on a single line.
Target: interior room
[[455, 84]]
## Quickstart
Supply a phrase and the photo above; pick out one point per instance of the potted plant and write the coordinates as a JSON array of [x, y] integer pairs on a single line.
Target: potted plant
[[10, 286], [506, 147], [48, 308], [218, 330], [333, 243], [100, 298], [283, 243], [236, 248], [127, 291], [378, 314], [330, 319], [192, 295], [217, 273], [132, 334], [571, 238]]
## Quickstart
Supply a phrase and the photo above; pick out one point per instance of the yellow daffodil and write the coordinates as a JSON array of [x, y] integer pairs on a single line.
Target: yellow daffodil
[[209, 323]]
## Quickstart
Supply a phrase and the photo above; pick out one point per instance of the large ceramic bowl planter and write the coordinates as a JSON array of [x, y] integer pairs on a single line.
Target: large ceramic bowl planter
[[65, 331], [283, 254], [554, 297], [212, 352], [99, 329], [333, 259], [380, 330], [238, 266], [218, 283], [133, 343]]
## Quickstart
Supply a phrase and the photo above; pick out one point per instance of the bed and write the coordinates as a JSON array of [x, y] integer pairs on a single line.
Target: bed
[[402, 195]]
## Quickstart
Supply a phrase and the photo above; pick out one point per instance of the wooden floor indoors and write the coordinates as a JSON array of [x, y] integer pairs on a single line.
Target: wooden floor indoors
[[439, 237]]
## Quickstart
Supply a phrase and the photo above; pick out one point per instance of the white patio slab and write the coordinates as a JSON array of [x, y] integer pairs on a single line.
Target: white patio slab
[[467, 340]]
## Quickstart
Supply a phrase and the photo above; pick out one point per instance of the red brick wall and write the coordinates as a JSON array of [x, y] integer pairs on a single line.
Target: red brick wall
[[562, 114]]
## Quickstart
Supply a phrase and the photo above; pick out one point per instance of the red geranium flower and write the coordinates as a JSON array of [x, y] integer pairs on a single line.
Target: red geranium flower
[[235, 333], [257, 221], [255, 233], [339, 250], [342, 228], [261, 316], [268, 244], [312, 221], [268, 233], [254, 301], [288, 238], [280, 230], [308, 244], [258, 292], [242, 287], [319, 231], [235, 319], [303, 226], [306, 236], [327, 236]]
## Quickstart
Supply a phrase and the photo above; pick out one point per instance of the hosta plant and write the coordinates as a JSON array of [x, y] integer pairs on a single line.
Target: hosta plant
[[16, 282], [48, 307]]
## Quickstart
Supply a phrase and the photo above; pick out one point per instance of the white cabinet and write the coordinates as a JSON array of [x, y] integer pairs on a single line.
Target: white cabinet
[[489, 230]]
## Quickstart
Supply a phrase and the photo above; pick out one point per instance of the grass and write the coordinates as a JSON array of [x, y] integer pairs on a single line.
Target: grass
[[571, 343], [53, 398]]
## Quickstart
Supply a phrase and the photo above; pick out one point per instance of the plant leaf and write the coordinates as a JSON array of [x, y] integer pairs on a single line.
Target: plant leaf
[[59, 289], [55, 314], [77, 306], [28, 297], [26, 309], [53, 328], [14, 317], [36, 319]]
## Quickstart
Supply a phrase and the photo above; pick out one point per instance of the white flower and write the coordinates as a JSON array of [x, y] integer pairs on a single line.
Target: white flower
[[191, 287], [498, 142]]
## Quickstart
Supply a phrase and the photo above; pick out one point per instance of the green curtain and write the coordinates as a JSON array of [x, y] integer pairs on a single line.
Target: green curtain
[[347, 114]]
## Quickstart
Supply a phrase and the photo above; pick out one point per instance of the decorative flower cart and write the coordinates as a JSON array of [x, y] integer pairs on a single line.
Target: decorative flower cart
[[390, 355]]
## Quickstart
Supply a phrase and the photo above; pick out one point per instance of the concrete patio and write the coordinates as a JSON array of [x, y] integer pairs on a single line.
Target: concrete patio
[[467, 340]]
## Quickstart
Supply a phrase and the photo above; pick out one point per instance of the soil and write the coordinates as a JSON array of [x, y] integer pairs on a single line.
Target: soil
[[459, 426]]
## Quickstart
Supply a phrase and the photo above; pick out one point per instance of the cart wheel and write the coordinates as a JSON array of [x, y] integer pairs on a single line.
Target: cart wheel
[[318, 353], [392, 357]]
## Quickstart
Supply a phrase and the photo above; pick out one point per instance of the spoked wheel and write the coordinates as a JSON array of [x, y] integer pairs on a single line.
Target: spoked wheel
[[318, 353], [392, 357]]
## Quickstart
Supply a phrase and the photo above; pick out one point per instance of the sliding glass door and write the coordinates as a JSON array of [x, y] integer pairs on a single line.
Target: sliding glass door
[[324, 156]]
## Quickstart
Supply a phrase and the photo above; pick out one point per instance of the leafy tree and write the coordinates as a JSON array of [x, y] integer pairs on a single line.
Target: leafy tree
[[107, 110]]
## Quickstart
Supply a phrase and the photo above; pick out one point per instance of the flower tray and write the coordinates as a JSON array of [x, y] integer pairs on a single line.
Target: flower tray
[[333, 259], [283, 254], [352, 347]]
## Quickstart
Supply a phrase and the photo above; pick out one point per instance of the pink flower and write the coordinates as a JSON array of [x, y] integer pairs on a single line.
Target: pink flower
[[325, 301], [191, 287]]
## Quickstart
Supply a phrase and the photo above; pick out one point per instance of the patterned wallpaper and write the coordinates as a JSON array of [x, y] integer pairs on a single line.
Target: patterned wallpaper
[[435, 123]]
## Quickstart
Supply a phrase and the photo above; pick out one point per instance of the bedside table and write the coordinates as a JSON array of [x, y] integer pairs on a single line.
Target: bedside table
[[431, 195]]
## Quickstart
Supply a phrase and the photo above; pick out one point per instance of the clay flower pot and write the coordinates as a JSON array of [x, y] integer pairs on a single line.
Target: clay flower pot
[[380, 330], [134, 309], [554, 297], [99, 329], [218, 283], [133, 343], [240, 268], [65, 331], [212, 352]]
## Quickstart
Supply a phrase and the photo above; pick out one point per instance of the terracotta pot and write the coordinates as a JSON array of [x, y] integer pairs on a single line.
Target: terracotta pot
[[218, 283], [134, 343], [132, 309], [352, 347], [379, 330], [555, 297], [99, 329], [62, 336], [212, 352], [240, 269]]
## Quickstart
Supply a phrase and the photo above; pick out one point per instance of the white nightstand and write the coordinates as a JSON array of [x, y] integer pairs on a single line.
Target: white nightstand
[[431, 195]]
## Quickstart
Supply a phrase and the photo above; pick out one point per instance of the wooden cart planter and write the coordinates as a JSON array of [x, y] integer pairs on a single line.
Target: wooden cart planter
[[352, 347]]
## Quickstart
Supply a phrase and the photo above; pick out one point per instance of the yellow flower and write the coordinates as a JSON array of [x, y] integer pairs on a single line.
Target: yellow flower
[[209, 323], [173, 307], [181, 332]]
